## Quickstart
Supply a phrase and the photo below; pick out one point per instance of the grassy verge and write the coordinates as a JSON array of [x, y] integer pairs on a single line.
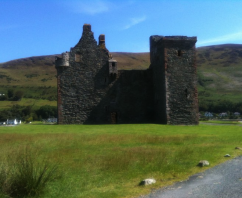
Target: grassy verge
[[109, 161], [221, 122]]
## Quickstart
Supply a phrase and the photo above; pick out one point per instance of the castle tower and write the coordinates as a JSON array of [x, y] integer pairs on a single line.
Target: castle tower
[[61, 64], [81, 80], [173, 61]]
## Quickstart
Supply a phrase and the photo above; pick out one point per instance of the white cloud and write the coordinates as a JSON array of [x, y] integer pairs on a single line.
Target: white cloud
[[89, 7], [223, 39], [134, 21]]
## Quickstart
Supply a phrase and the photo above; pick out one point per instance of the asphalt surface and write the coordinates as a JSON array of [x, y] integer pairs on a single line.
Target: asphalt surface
[[222, 181]]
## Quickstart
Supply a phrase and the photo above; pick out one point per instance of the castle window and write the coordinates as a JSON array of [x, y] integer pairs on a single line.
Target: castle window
[[187, 94], [112, 76], [78, 58], [179, 53], [114, 117], [113, 64]]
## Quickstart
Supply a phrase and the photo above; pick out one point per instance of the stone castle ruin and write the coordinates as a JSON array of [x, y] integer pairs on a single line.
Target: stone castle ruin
[[92, 90]]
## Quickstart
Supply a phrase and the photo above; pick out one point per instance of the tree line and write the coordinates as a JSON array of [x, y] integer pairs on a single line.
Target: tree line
[[28, 113], [12, 95], [220, 106]]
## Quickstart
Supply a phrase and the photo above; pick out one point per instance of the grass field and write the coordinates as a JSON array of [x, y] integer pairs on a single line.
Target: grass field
[[222, 122], [109, 161]]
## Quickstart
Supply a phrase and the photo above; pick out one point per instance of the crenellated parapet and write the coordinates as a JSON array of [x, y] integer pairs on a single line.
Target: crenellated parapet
[[62, 62]]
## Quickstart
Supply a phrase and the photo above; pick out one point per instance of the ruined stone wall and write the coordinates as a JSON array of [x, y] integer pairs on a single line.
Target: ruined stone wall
[[135, 97], [174, 60], [81, 85], [128, 99], [91, 89], [159, 82]]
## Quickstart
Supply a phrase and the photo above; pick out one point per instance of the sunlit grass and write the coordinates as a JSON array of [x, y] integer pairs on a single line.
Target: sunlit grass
[[222, 122], [23, 173], [110, 160]]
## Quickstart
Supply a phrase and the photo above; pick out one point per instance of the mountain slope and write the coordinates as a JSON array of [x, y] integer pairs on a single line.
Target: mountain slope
[[219, 73]]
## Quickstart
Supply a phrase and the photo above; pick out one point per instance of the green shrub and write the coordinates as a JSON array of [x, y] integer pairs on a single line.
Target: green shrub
[[24, 174]]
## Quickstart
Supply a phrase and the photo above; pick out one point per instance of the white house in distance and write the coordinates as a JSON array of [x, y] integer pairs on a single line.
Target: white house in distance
[[13, 122], [224, 114], [236, 113]]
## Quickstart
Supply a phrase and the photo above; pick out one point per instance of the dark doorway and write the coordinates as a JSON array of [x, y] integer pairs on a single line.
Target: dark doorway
[[113, 117]]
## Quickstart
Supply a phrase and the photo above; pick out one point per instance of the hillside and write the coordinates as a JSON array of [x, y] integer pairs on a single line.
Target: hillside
[[36, 76], [219, 73]]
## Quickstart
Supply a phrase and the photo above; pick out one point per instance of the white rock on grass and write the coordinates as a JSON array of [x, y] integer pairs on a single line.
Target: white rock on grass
[[227, 155], [203, 163], [147, 182]]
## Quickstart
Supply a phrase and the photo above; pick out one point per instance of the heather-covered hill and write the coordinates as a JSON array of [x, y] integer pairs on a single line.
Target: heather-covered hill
[[219, 73]]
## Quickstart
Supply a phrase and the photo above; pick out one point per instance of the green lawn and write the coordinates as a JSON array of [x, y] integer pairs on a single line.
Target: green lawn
[[222, 122], [109, 161]]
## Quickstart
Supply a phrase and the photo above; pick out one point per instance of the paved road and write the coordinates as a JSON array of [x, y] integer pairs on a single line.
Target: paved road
[[222, 181]]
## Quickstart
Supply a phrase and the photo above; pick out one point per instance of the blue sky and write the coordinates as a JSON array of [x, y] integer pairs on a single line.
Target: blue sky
[[47, 27]]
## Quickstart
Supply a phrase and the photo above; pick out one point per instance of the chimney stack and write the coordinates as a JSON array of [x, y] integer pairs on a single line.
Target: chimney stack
[[102, 39], [86, 28]]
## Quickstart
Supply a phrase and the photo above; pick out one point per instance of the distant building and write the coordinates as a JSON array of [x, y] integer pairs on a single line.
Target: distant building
[[13, 122], [223, 114], [208, 114], [236, 113], [52, 120]]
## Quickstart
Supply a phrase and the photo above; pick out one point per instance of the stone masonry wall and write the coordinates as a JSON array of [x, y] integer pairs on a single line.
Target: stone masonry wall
[[81, 85], [159, 83], [135, 97], [91, 89], [174, 60], [128, 100], [89, 92]]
